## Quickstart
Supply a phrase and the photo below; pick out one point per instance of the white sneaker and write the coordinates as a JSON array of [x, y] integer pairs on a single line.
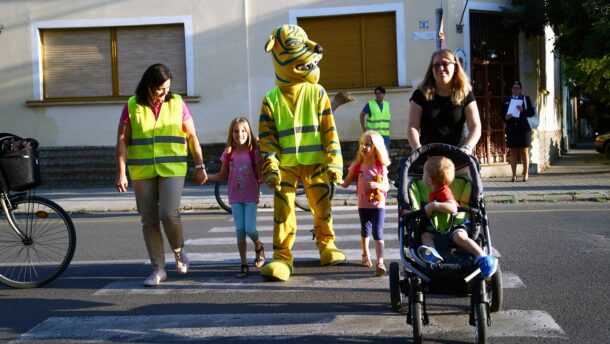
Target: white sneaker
[[155, 278], [182, 261]]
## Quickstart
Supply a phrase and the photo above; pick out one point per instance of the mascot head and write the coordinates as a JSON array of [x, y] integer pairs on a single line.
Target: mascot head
[[295, 57]]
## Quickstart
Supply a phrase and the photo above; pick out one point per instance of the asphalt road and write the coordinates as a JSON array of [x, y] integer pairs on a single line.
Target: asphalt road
[[553, 257]]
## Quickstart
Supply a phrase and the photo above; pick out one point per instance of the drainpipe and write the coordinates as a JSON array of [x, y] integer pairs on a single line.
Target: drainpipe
[[247, 27]]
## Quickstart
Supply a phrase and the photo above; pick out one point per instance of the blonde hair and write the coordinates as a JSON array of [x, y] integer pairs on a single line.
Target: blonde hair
[[250, 142], [460, 86], [440, 170], [381, 153]]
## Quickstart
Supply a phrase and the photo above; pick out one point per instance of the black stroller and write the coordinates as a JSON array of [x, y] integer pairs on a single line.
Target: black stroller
[[457, 274]]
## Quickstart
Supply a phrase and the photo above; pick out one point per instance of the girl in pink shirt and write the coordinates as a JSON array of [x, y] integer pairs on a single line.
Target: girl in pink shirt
[[241, 165], [370, 169]]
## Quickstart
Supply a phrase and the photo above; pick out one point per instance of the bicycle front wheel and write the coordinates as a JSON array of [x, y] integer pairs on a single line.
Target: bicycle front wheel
[[222, 196], [46, 249]]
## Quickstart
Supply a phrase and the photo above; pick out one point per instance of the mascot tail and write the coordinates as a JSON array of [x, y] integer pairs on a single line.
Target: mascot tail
[[343, 97]]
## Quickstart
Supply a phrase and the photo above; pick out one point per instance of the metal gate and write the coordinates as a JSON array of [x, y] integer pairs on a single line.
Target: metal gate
[[494, 66]]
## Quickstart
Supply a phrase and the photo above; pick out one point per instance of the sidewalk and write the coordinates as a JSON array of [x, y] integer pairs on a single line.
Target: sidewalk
[[581, 175]]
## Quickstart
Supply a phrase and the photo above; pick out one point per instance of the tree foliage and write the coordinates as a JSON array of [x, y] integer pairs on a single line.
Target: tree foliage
[[582, 40]]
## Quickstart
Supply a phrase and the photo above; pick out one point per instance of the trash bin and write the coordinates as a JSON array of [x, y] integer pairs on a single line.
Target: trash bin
[[19, 163]]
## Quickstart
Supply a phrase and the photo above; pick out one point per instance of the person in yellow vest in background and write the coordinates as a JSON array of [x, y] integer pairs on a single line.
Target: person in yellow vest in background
[[154, 130], [379, 116], [299, 142]]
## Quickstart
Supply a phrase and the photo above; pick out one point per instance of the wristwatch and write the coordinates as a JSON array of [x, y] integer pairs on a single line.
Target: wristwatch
[[202, 166]]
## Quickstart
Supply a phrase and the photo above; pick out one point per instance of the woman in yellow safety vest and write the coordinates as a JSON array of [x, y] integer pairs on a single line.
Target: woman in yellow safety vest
[[154, 130]]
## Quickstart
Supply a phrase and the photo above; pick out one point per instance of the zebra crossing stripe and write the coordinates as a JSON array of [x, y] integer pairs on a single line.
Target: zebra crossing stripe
[[302, 236], [336, 226], [361, 279], [336, 216], [191, 327]]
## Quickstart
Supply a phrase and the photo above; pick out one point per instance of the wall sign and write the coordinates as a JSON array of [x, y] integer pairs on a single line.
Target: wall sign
[[423, 35]]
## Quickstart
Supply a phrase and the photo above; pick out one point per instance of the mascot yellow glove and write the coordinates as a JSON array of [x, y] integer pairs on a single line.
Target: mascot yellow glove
[[334, 174], [273, 180]]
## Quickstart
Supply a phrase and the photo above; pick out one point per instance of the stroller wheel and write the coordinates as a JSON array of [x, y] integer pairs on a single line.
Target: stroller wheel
[[395, 293], [480, 314], [417, 322], [497, 295]]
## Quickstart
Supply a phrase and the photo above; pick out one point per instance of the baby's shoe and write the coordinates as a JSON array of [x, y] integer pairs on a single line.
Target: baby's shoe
[[429, 254], [488, 265]]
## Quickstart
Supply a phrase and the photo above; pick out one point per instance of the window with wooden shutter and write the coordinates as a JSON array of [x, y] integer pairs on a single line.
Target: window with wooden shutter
[[140, 47], [109, 62], [359, 49], [77, 63]]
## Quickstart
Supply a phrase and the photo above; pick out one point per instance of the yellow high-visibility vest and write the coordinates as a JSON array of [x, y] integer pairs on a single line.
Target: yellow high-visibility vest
[[157, 147], [299, 132], [379, 120]]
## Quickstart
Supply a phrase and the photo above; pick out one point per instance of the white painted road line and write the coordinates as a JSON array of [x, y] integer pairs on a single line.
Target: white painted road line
[[303, 226], [336, 216], [191, 327], [299, 255], [361, 281], [511, 280], [302, 236]]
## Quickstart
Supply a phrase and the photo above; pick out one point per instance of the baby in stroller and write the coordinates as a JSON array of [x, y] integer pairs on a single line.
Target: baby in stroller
[[439, 173]]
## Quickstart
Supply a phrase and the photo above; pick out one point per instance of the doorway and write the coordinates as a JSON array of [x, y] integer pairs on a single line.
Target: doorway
[[494, 66]]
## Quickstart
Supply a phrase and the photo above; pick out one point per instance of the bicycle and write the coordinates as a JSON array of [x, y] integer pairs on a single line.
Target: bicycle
[[220, 192], [37, 236]]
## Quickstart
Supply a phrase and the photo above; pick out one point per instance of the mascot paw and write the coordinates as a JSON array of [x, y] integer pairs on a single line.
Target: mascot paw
[[277, 270], [331, 256], [272, 179]]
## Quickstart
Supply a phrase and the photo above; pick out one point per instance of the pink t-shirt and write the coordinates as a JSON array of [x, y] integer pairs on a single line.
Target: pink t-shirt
[[186, 114], [242, 184], [365, 175]]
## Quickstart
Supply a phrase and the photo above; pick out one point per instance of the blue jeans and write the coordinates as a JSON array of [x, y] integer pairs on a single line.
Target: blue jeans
[[386, 140], [244, 216]]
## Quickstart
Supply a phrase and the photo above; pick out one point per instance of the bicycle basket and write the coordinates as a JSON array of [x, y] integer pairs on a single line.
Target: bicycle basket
[[19, 162]]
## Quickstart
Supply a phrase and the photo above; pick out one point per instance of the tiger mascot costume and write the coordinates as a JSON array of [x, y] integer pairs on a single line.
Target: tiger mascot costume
[[299, 142]]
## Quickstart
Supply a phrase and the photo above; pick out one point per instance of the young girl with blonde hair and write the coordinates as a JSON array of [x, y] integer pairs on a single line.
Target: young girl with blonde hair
[[370, 170], [241, 164]]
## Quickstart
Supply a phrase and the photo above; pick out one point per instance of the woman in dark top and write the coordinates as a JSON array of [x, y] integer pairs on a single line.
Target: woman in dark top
[[442, 104], [518, 132]]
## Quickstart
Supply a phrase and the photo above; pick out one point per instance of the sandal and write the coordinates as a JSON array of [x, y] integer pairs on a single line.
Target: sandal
[[366, 262], [243, 272], [380, 270], [260, 256]]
